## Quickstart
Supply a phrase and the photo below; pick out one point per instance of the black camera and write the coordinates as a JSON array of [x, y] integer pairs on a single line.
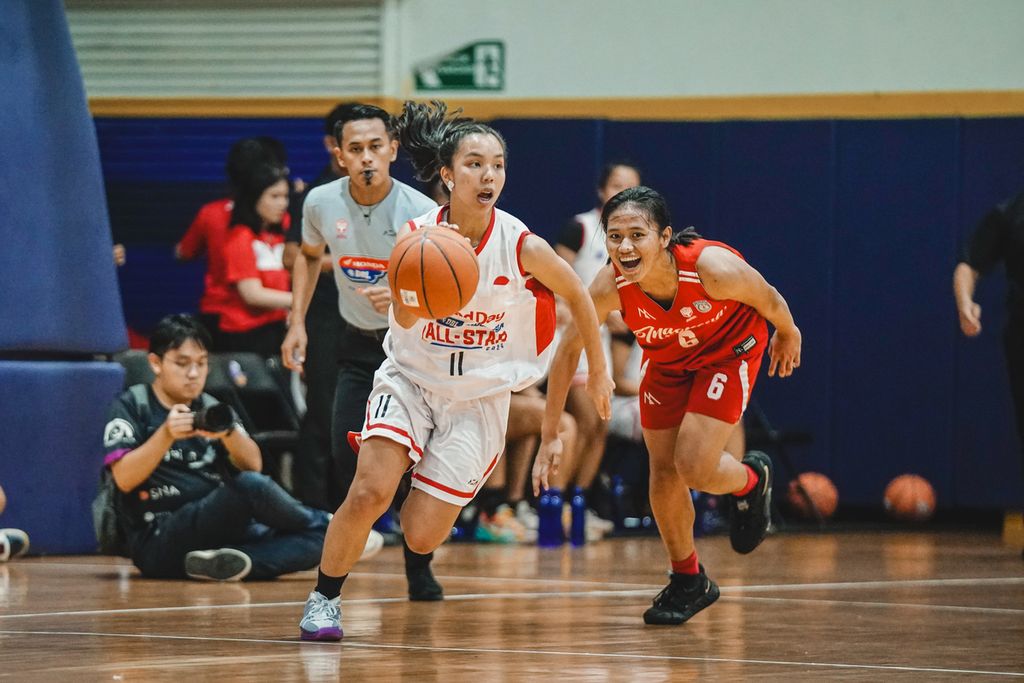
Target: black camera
[[216, 418]]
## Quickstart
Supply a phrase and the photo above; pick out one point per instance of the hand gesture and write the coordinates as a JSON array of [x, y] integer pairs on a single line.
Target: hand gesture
[[600, 387], [784, 352], [970, 319], [179, 422], [546, 464], [293, 350], [380, 297]]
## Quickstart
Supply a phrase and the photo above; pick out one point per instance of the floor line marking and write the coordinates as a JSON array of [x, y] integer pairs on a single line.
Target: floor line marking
[[736, 595], [559, 653]]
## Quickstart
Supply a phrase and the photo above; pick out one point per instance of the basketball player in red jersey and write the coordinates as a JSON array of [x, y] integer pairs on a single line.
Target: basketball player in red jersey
[[698, 310]]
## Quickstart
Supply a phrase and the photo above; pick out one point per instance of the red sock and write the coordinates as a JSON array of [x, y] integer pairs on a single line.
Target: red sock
[[687, 566], [751, 482]]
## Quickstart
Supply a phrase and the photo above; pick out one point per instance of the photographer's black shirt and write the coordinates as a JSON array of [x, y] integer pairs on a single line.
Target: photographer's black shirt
[[189, 470]]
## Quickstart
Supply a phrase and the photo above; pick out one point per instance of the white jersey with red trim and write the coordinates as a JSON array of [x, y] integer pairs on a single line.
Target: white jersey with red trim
[[500, 341]]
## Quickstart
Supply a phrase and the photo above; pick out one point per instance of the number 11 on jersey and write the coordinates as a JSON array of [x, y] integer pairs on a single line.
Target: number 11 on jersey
[[455, 363]]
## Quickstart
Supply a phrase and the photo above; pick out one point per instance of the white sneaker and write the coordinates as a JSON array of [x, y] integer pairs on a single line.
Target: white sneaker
[[321, 618], [13, 543], [527, 516], [598, 522], [374, 542]]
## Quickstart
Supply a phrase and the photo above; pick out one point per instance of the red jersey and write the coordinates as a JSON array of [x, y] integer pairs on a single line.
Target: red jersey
[[696, 331], [209, 231], [248, 255]]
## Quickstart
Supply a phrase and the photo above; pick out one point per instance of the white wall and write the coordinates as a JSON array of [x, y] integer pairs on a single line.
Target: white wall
[[685, 48]]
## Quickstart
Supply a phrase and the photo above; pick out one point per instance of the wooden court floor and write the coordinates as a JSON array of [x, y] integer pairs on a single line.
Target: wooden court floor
[[850, 606]]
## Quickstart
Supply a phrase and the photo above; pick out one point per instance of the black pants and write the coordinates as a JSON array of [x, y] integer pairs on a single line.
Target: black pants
[[1013, 345], [359, 356], [250, 513], [314, 480]]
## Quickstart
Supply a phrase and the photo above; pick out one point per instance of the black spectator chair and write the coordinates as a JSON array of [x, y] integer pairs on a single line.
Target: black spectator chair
[[260, 388]]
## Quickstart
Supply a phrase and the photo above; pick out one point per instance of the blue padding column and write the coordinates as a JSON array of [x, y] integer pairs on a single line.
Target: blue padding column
[[58, 292], [51, 448]]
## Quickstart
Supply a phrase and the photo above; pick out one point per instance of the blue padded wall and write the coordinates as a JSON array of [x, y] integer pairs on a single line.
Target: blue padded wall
[[893, 332], [59, 292], [857, 222], [51, 448]]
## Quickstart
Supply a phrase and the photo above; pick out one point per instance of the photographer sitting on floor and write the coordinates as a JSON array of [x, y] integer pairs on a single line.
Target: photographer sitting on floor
[[191, 500]]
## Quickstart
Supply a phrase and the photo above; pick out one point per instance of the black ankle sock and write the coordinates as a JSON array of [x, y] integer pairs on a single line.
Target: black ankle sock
[[329, 586], [415, 561]]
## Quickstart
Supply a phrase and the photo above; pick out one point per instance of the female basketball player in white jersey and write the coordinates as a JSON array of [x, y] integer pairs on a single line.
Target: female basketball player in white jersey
[[440, 400]]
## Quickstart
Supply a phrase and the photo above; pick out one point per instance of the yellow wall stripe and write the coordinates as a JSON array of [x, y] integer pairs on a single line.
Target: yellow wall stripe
[[971, 104]]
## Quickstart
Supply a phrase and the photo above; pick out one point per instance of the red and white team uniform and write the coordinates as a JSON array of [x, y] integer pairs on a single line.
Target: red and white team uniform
[[444, 388], [701, 354]]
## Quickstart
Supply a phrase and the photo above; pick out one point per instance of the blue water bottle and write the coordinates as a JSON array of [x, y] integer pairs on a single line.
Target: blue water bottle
[[549, 525], [578, 504]]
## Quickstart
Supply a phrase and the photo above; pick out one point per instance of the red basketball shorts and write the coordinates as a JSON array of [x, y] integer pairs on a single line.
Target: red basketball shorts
[[720, 391]]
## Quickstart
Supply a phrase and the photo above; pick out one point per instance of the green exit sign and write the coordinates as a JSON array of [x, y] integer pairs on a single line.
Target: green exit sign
[[477, 66]]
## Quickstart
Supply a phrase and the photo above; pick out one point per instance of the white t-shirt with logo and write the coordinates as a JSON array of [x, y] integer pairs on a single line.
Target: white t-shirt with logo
[[502, 340]]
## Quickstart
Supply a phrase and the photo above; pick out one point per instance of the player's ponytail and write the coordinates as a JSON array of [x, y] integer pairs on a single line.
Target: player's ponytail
[[422, 129], [685, 237], [430, 134]]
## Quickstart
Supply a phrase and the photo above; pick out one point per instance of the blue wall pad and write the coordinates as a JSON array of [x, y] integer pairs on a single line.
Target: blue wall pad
[[51, 448], [58, 292]]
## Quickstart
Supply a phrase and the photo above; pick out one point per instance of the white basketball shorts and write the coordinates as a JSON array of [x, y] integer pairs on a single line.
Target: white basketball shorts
[[454, 445]]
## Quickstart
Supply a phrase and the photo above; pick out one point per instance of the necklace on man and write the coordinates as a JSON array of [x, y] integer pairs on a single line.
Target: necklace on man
[[367, 211]]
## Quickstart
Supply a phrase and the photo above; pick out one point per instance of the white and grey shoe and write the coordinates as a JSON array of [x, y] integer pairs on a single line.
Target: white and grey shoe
[[321, 618], [13, 543]]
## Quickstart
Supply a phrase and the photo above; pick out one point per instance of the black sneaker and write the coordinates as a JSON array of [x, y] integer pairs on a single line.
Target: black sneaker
[[423, 587], [676, 603], [223, 564], [750, 515]]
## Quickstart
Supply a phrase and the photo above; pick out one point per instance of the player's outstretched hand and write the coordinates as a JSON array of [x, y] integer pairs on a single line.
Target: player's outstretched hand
[[546, 464], [784, 352], [293, 349], [380, 297], [600, 387]]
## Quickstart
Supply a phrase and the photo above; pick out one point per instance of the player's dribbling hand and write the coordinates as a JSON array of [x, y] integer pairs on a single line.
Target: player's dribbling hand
[[179, 422], [546, 464], [293, 349], [784, 352], [600, 387], [379, 297]]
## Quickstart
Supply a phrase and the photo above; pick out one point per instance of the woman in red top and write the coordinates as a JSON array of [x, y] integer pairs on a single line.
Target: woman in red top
[[699, 311], [252, 319]]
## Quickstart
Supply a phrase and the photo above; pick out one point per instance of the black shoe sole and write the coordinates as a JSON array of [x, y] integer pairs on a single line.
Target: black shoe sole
[[659, 617]]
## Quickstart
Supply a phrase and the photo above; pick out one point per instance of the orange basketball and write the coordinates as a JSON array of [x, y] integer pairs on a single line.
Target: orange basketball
[[910, 497], [433, 271], [819, 488]]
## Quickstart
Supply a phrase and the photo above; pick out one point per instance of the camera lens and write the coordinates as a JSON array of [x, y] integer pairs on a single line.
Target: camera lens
[[216, 418]]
